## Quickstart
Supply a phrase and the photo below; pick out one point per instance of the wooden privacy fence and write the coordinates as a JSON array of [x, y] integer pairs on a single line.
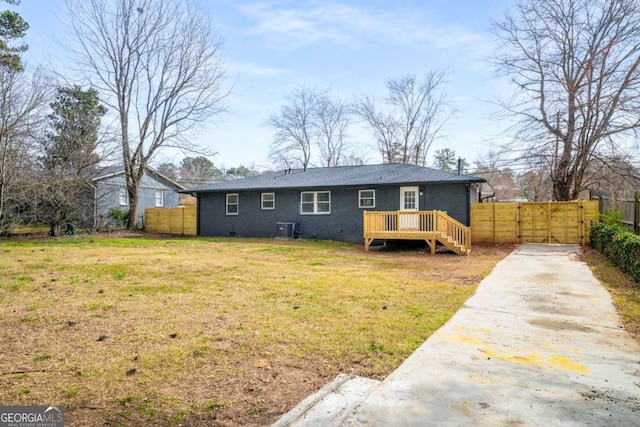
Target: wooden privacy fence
[[180, 220], [533, 222], [624, 203]]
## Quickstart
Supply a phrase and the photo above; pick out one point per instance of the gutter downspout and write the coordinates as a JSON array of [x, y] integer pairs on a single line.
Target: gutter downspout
[[492, 195]]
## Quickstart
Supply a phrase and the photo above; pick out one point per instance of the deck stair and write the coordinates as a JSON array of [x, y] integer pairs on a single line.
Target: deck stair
[[430, 226]]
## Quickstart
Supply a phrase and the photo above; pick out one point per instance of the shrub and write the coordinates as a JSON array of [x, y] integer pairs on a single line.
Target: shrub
[[120, 216], [611, 216], [621, 246]]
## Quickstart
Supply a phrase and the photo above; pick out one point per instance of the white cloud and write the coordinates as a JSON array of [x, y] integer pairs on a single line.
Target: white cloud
[[293, 27]]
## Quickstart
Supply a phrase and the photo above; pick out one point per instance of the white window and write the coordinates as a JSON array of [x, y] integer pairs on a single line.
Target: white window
[[367, 198], [315, 202], [123, 196], [159, 198], [268, 200], [232, 204]]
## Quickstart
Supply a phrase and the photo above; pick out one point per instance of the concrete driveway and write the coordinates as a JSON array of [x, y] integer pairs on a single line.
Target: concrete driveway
[[539, 344]]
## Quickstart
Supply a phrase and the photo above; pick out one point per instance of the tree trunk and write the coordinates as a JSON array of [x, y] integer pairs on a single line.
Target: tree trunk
[[133, 188], [562, 188], [133, 205]]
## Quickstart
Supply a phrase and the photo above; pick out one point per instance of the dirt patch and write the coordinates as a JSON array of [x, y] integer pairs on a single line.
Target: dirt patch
[[607, 396], [573, 294], [559, 325]]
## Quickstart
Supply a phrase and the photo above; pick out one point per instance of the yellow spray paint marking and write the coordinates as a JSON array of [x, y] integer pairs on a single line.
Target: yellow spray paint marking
[[484, 331], [563, 362], [468, 340], [553, 361], [532, 358]]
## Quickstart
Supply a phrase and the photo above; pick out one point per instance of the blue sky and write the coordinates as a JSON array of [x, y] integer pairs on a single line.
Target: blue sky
[[349, 47]]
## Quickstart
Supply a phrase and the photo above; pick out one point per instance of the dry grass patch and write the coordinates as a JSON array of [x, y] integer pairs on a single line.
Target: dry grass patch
[[153, 331]]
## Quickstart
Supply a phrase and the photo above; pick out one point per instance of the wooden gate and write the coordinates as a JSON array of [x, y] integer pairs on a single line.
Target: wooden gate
[[533, 222]]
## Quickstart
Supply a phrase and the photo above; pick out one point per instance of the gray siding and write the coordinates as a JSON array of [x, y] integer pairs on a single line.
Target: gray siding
[[344, 223], [108, 190], [451, 198]]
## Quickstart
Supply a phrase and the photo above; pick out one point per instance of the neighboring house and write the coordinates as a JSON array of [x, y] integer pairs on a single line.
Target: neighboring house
[[328, 203], [156, 190]]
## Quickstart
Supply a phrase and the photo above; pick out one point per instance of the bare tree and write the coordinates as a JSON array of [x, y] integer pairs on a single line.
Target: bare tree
[[383, 126], [169, 170], [616, 173], [294, 127], [356, 159], [310, 119], [159, 66], [411, 120], [23, 98], [574, 65], [536, 183], [331, 122]]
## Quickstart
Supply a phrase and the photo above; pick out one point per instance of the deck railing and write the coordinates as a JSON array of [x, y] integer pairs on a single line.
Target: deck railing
[[431, 226]]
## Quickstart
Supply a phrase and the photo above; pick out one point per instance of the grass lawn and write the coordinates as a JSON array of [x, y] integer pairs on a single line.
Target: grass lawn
[[177, 331], [625, 292]]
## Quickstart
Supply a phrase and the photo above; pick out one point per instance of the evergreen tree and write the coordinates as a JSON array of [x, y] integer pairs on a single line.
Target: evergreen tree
[[69, 157], [198, 170], [12, 27], [73, 136]]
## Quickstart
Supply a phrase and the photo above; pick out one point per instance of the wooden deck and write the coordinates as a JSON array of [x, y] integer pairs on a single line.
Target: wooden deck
[[430, 226]]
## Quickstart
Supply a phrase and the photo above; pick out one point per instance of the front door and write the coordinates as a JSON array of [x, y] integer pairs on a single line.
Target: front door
[[409, 208]]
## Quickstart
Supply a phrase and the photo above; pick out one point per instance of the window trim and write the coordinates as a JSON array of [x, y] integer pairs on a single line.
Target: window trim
[[123, 196], [262, 200], [160, 192], [236, 204], [315, 202], [372, 198]]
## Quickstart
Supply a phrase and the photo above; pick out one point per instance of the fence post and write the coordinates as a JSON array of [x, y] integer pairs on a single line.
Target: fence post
[[493, 220], [636, 226], [581, 226], [518, 223]]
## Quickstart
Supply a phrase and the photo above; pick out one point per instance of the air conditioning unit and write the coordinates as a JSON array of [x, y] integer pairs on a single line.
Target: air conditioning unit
[[285, 230]]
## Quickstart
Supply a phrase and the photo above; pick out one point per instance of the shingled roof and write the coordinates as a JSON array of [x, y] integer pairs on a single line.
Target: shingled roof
[[340, 176], [110, 171]]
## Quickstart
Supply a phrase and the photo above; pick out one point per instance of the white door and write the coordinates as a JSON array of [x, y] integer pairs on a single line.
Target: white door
[[409, 205]]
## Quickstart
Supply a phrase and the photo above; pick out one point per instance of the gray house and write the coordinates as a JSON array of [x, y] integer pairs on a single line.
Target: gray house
[[156, 190], [328, 203]]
